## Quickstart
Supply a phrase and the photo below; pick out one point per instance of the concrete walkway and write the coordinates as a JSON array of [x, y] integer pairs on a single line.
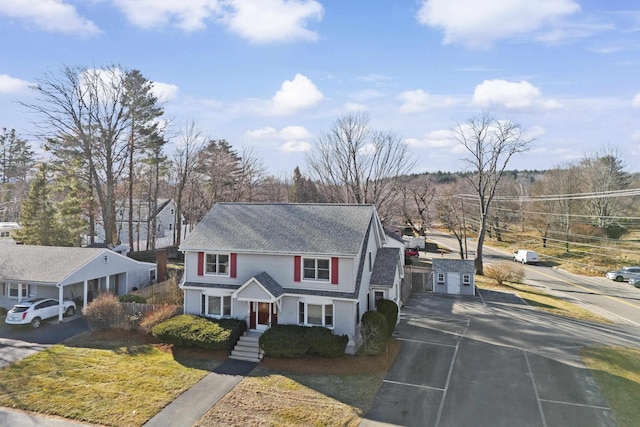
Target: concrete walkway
[[191, 405]]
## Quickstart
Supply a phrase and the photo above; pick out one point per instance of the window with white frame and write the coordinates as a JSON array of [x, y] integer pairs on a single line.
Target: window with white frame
[[217, 264], [370, 263], [315, 314], [218, 306], [4, 234], [440, 278], [14, 292], [466, 279], [377, 295], [316, 269]]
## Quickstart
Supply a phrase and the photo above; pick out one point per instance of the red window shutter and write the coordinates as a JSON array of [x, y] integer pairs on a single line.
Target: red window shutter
[[297, 260], [200, 263], [232, 272], [334, 271]]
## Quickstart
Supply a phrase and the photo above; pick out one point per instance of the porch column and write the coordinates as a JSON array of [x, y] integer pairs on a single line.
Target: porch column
[[60, 305], [106, 281], [85, 296]]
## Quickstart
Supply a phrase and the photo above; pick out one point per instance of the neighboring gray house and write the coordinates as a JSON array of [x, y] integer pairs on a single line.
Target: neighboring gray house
[[307, 264], [62, 272], [453, 276]]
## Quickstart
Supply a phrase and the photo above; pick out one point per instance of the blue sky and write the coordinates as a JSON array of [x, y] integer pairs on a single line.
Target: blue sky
[[271, 75]]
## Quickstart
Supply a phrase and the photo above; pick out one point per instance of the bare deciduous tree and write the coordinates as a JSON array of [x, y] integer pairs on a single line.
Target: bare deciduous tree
[[354, 164], [490, 144]]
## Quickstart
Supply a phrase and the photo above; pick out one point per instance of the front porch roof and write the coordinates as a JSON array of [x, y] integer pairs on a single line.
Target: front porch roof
[[259, 287]]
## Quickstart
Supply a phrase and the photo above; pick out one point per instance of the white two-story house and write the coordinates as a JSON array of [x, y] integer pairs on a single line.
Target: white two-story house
[[306, 264]]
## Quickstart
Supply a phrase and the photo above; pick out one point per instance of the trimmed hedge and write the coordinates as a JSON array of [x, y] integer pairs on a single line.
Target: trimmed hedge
[[187, 330], [292, 341], [374, 333], [132, 298], [390, 311]]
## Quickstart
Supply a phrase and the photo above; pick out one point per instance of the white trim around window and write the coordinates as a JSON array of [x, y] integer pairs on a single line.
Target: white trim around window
[[440, 277], [313, 314], [216, 264], [12, 290], [316, 269], [466, 279], [215, 305]]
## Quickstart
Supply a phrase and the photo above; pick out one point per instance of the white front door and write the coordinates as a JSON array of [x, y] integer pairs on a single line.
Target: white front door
[[453, 283]]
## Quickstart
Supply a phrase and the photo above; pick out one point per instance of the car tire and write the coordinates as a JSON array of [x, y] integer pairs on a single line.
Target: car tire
[[619, 278], [35, 323], [70, 311]]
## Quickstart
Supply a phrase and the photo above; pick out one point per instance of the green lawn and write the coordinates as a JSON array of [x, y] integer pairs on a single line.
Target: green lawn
[[119, 383]]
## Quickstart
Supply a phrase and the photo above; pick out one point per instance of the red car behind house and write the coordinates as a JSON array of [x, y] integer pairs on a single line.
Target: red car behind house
[[411, 252]]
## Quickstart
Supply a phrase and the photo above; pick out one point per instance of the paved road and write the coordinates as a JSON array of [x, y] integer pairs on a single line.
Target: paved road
[[492, 361], [618, 301]]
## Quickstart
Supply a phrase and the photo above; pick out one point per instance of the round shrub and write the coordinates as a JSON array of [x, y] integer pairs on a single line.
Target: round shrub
[[284, 341], [104, 312], [390, 311], [374, 333], [133, 298], [187, 330]]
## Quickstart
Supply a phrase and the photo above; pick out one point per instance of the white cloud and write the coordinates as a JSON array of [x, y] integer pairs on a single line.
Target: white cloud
[[443, 138], [10, 84], [295, 137], [268, 21], [188, 15], [512, 95], [354, 106], [165, 92], [54, 16], [636, 136], [636, 101], [294, 95], [264, 133], [415, 101], [479, 24]]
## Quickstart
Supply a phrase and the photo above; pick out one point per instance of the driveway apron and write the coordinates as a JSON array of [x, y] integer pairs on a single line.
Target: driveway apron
[[492, 361]]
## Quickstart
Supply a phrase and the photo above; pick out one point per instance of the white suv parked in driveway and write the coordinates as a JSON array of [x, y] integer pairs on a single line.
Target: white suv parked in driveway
[[38, 309]]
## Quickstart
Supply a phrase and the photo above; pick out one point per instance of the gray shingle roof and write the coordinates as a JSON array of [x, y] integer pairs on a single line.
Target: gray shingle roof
[[270, 284], [453, 265], [47, 264], [385, 267], [282, 228]]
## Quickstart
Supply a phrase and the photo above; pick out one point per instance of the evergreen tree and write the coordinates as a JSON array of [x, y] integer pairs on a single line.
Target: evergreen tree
[[40, 223]]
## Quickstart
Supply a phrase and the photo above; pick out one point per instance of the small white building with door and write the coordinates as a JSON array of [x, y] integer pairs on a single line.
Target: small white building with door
[[453, 276]]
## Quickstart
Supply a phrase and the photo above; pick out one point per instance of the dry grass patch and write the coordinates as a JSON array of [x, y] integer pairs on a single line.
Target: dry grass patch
[[115, 378], [309, 391], [617, 372], [537, 297]]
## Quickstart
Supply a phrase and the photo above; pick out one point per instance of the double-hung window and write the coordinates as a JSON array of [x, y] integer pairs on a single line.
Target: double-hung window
[[440, 277], [466, 279], [14, 292], [315, 314], [219, 306], [217, 264], [316, 269]]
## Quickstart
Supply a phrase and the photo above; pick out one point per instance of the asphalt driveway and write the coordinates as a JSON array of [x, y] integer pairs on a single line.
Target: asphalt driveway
[[492, 361], [17, 342]]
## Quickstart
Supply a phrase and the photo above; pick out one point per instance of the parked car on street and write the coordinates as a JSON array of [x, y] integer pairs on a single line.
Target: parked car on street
[[526, 256], [635, 281], [36, 310], [624, 274]]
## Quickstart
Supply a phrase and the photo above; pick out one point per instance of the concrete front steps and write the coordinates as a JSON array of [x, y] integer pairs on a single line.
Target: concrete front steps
[[248, 348]]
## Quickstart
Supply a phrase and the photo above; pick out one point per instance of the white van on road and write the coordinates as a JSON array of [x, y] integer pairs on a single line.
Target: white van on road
[[526, 256]]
